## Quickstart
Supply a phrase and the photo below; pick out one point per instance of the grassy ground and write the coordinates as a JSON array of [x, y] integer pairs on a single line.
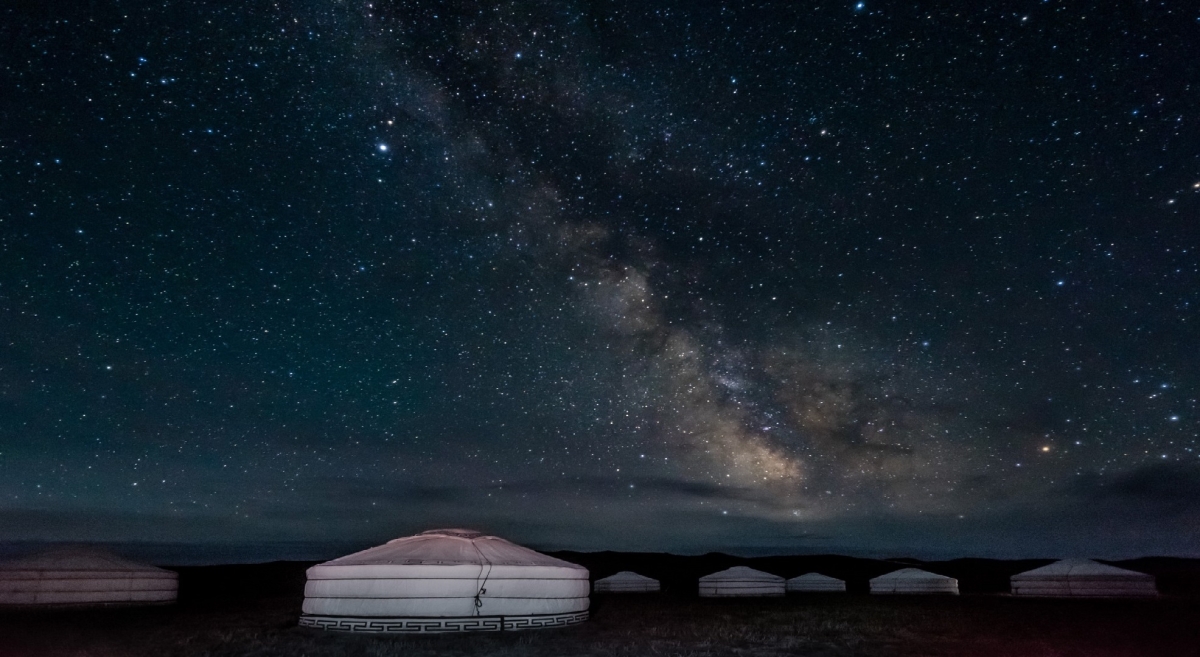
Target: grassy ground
[[646, 625]]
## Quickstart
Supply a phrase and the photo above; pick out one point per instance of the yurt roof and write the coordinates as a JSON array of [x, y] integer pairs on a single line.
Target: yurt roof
[[911, 573], [77, 558], [450, 547], [626, 576], [1081, 568], [814, 577], [742, 573]]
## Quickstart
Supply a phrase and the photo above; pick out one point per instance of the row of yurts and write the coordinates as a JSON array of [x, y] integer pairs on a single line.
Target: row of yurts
[[449, 579]]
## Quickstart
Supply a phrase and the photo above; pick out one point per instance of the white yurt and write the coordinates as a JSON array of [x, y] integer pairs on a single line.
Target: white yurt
[[816, 583], [626, 581], [1083, 578], [741, 581], [445, 580], [84, 577], [914, 581]]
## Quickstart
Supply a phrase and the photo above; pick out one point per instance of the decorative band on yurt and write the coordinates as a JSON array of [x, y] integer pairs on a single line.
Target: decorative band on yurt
[[416, 625]]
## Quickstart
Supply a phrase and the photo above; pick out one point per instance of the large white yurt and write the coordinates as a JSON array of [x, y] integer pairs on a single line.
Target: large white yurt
[[816, 583], [741, 581], [914, 581], [1083, 578], [626, 581], [445, 580], [84, 577]]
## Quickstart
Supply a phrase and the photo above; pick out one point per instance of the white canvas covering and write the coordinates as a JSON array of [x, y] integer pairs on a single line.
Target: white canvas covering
[[816, 583], [83, 577], [741, 581], [626, 581], [1083, 578], [445, 580], [914, 581]]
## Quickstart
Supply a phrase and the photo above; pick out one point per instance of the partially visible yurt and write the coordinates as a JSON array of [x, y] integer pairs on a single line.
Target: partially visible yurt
[[626, 581], [741, 581], [83, 577], [914, 581], [1083, 578], [816, 583], [445, 580]]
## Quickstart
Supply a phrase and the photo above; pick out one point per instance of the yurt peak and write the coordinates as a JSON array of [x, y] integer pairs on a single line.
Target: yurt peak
[[458, 533]]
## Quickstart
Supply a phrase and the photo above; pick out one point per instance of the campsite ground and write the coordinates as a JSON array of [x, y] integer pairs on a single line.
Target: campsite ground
[[827, 625]]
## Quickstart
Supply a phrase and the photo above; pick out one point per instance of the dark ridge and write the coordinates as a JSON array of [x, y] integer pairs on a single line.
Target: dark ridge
[[1175, 575], [276, 579]]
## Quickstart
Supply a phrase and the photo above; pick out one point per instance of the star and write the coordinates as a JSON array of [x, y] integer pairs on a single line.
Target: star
[[604, 261]]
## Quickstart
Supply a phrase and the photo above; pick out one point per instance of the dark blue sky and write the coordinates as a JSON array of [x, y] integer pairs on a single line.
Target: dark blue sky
[[630, 275]]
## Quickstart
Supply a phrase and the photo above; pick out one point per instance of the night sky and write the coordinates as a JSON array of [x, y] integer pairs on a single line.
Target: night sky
[[842, 277]]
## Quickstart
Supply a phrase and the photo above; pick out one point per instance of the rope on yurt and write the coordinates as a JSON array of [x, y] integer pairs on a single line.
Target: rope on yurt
[[480, 587]]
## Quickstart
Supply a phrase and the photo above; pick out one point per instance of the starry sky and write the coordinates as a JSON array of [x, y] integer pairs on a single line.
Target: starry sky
[[806, 277]]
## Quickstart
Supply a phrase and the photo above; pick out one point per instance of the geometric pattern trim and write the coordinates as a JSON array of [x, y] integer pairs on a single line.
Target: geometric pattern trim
[[414, 625]]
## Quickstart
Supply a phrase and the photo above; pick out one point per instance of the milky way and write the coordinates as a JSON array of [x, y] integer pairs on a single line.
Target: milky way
[[602, 275]]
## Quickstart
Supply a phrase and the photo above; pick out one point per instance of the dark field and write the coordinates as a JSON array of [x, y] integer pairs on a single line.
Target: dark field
[[653, 625], [252, 610]]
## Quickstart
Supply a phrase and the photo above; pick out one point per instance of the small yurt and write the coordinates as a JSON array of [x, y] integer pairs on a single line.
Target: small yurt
[[1083, 578], [816, 583], [626, 581], [445, 580], [741, 581], [914, 581], [84, 577]]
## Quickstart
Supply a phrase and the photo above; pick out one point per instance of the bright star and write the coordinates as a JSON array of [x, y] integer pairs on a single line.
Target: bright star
[[383, 148]]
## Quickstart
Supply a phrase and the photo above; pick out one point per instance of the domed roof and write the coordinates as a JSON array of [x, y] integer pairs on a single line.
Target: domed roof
[[1081, 568], [814, 577], [79, 558], [626, 576], [450, 547], [912, 573], [742, 573]]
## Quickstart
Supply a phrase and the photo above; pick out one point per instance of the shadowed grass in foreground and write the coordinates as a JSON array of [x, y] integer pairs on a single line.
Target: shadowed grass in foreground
[[831, 625]]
